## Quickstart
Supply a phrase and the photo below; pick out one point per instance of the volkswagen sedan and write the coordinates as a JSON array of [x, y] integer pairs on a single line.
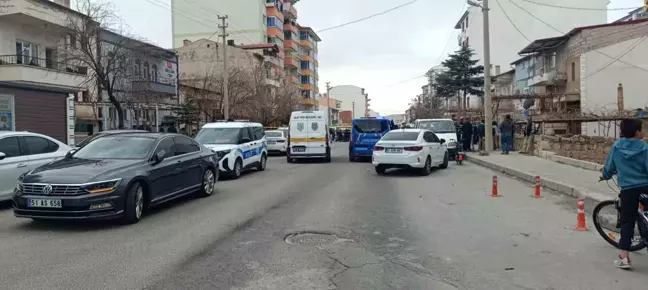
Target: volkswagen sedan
[[117, 176]]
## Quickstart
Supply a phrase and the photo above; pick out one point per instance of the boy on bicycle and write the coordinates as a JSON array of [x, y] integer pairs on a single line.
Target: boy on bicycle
[[628, 159]]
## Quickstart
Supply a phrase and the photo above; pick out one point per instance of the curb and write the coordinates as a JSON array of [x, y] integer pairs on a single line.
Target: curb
[[563, 188]]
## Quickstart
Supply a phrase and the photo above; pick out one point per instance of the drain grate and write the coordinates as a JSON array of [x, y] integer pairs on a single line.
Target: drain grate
[[311, 239]]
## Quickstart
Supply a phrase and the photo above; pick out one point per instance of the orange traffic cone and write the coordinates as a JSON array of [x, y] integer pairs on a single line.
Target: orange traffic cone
[[494, 191], [537, 187], [581, 226]]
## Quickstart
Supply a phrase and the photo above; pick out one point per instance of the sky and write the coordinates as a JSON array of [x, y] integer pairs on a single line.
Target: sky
[[384, 54]]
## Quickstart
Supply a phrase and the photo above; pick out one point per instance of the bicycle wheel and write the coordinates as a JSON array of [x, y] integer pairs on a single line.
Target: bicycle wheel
[[605, 218]]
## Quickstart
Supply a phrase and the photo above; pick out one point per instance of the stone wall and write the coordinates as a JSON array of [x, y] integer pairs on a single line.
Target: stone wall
[[591, 149]]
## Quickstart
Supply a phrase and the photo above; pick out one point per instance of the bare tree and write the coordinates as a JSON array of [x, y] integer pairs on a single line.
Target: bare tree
[[109, 63]]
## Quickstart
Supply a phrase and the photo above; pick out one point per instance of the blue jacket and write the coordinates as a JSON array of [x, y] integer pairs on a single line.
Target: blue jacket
[[628, 158]]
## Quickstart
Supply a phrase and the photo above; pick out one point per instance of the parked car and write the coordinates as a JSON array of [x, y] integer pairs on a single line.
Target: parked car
[[276, 141], [410, 148], [23, 151], [117, 176], [105, 133], [240, 145]]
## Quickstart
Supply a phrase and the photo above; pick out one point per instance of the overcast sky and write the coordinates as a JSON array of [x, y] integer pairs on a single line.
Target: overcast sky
[[379, 54]]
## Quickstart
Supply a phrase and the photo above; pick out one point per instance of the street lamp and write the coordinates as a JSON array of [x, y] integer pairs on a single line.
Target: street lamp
[[488, 107]]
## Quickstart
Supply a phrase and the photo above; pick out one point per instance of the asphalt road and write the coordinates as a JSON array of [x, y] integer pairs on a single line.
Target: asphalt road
[[370, 232]]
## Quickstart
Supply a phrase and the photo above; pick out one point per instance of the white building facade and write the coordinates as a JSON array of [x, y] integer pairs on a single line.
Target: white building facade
[[353, 98]]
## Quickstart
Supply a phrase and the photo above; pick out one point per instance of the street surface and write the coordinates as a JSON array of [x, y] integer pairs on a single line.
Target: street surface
[[391, 232]]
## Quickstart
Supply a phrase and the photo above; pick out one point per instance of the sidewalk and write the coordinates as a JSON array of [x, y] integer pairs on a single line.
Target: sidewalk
[[564, 179]]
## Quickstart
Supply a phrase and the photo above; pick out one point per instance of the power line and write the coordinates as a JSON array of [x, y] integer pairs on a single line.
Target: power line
[[577, 8], [628, 50], [511, 21], [368, 17], [556, 29], [451, 33]]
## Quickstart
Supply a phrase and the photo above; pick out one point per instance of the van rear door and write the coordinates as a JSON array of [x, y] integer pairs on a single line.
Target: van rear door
[[317, 131], [298, 136]]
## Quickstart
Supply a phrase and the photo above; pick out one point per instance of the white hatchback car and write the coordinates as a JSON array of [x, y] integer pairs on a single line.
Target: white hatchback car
[[21, 152], [410, 148]]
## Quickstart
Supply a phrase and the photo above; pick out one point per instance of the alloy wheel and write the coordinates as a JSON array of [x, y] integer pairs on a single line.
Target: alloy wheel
[[139, 202], [208, 181]]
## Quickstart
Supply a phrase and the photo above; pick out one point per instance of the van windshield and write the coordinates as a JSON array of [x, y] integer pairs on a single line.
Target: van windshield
[[438, 126], [370, 126], [218, 136]]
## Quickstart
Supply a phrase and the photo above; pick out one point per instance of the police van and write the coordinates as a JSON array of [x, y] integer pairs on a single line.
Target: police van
[[308, 136], [240, 145]]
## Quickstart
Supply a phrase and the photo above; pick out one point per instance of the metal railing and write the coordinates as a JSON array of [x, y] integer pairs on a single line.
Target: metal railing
[[42, 63]]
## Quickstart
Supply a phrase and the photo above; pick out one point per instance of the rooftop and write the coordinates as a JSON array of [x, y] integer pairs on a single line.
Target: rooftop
[[311, 32], [463, 17]]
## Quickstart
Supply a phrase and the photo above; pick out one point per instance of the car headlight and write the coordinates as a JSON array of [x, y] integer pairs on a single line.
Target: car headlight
[[222, 153], [19, 186], [102, 186]]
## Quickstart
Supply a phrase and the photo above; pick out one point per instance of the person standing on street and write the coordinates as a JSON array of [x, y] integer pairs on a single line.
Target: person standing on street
[[628, 159], [528, 137], [481, 129], [467, 133], [508, 133], [496, 135]]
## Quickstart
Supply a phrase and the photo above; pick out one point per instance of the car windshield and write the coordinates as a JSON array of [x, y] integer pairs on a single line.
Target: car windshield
[[218, 136], [440, 126], [275, 134], [87, 140], [116, 147], [400, 136], [370, 126]]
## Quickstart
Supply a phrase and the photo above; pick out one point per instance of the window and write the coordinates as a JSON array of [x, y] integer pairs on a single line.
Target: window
[[573, 71], [185, 145], [138, 68], [26, 53], [6, 113], [258, 133], [304, 64], [38, 145], [304, 80], [146, 70], [245, 134], [154, 73], [73, 41], [431, 137], [303, 35], [168, 146], [400, 136], [50, 58], [9, 146], [85, 96], [116, 147], [552, 60], [467, 41], [271, 21]]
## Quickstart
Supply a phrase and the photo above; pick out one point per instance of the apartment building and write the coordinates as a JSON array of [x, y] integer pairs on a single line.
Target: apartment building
[[636, 14], [353, 99], [504, 35], [585, 67], [253, 22], [37, 88]]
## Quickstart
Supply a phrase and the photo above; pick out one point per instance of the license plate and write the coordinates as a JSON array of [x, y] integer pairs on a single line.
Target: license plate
[[297, 149], [272, 142], [51, 203], [393, 150]]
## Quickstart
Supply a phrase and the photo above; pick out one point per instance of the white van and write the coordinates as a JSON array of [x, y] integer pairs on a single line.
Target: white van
[[444, 129], [308, 136], [240, 145]]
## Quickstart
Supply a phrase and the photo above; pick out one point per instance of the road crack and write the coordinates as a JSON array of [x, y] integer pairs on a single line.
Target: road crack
[[425, 273], [347, 267]]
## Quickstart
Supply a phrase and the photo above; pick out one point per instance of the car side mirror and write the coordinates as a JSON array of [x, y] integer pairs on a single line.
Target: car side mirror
[[70, 153], [158, 157], [443, 141], [245, 140], [2, 155]]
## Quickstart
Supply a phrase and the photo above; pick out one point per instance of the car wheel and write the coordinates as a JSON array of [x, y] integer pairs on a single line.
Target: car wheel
[[380, 169], [262, 163], [446, 159], [238, 168], [134, 208], [208, 183], [288, 159], [427, 168], [351, 158]]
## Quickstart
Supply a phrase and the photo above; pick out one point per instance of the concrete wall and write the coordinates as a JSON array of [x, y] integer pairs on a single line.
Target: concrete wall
[[198, 19]]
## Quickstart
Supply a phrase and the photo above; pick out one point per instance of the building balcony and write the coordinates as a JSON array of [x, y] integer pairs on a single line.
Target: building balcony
[[542, 79], [290, 27], [306, 44], [43, 72], [308, 87], [291, 45], [307, 72], [87, 111], [166, 87], [273, 11], [309, 101], [275, 32], [306, 58], [36, 13], [291, 62], [289, 11]]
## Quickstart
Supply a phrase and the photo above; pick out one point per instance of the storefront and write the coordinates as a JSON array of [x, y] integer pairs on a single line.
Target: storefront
[[35, 109]]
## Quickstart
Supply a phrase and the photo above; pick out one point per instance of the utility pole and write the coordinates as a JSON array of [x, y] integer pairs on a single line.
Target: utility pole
[[328, 103], [352, 110], [224, 35], [488, 107]]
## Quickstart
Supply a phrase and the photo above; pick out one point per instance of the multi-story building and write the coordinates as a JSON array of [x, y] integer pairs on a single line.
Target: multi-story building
[[353, 99], [308, 65], [37, 85], [252, 22], [584, 68], [505, 39], [636, 14]]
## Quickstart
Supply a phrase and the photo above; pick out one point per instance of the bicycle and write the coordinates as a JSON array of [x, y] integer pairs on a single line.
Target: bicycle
[[604, 222]]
